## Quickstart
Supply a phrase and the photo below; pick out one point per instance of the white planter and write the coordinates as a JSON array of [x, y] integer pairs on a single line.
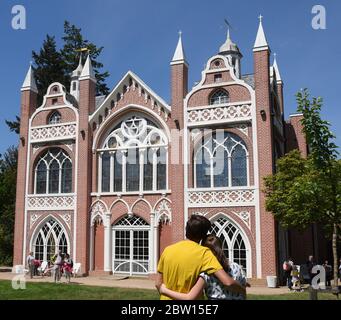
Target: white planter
[[271, 281]]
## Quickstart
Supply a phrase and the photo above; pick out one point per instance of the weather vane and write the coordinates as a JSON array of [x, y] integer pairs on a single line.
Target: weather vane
[[228, 24]]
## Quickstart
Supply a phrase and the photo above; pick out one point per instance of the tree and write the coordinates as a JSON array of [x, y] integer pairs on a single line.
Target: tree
[[73, 42], [8, 176], [324, 157], [306, 191], [49, 67], [53, 65], [14, 126]]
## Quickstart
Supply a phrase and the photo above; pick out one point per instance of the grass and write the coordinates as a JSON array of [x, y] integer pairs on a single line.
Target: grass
[[62, 291]]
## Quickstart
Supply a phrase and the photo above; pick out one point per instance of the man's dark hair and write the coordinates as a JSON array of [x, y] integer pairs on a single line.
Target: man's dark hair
[[197, 228]]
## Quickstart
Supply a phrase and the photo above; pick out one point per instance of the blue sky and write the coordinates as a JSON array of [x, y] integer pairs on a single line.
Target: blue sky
[[141, 36]]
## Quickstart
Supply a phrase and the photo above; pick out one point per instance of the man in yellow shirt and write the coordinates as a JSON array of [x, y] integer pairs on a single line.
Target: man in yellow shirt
[[181, 264]]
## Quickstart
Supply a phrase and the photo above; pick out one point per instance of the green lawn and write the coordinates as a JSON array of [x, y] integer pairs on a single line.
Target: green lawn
[[62, 291]]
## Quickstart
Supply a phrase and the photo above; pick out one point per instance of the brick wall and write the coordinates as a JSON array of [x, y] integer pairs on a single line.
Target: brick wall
[[28, 105], [265, 158]]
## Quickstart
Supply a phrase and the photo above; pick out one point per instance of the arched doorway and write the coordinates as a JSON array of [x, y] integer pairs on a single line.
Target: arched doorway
[[131, 241], [235, 244], [50, 238]]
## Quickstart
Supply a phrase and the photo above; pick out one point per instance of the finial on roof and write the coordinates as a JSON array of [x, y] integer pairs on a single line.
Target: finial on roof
[[30, 82], [179, 54], [261, 42], [229, 45]]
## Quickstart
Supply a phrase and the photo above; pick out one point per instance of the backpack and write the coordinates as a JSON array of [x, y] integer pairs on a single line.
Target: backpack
[[71, 263]]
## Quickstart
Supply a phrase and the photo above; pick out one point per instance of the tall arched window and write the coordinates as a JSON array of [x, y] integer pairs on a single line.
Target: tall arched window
[[53, 173], [49, 239], [234, 245], [55, 118], [221, 160], [134, 157], [239, 166], [219, 97]]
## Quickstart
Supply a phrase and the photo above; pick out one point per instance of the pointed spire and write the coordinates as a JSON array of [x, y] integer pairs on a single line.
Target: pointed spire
[[29, 82], [275, 66], [88, 72], [261, 42], [77, 72], [179, 55]]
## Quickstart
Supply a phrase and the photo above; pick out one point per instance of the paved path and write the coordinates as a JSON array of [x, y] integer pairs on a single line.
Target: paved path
[[134, 283]]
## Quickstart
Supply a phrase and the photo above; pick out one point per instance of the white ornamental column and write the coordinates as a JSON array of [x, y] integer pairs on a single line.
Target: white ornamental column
[[107, 243], [152, 245]]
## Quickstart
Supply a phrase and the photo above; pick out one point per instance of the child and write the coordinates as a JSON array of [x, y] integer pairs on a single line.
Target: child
[[295, 276], [213, 288], [67, 267]]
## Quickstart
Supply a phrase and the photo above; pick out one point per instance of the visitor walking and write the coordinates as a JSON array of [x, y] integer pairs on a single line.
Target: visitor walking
[[58, 266], [67, 267], [310, 265], [329, 272], [287, 268], [30, 264]]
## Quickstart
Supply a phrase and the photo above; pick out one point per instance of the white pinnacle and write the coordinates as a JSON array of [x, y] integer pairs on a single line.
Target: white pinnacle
[[278, 75], [29, 82], [88, 71], [261, 42], [179, 55]]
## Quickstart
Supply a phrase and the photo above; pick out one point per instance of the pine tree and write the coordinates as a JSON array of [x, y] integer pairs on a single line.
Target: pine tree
[[49, 66], [73, 42]]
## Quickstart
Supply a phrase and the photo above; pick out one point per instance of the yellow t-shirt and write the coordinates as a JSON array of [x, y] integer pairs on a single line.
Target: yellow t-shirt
[[182, 263]]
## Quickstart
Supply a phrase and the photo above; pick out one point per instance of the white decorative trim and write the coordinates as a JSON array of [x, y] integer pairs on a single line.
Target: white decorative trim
[[51, 202], [53, 132], [244, 216], [163, 212], [200, 213], [98, 209], [34, 218], [221, 197], [243, 128], [222, 113], [67, 219]]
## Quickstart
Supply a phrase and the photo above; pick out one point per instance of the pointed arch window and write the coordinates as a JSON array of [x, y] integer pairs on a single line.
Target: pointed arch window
[[55, 118], [49, 239], [53, 173], [138, 151], [221, 160], [233, 241], [219, 97]]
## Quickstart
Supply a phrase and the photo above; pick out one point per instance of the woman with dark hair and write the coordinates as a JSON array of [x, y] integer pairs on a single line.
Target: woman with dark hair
[[214, 289]]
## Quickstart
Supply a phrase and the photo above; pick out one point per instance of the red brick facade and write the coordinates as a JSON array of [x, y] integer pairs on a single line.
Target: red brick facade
[[108, 229]]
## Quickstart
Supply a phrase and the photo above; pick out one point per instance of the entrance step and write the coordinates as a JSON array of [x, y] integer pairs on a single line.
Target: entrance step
[[254, 282], [99, 273]]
